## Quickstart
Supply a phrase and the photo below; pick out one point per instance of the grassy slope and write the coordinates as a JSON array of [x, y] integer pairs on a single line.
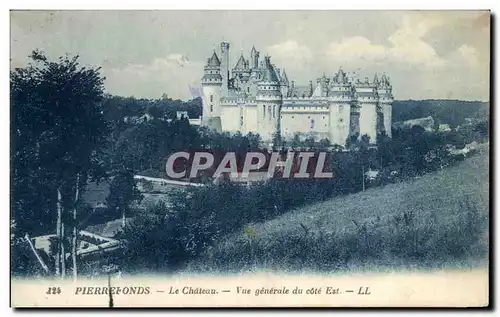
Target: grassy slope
[[446, 225]]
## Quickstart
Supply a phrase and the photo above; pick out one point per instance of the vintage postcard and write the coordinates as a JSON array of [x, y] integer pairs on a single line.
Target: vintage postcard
[[250, 158]]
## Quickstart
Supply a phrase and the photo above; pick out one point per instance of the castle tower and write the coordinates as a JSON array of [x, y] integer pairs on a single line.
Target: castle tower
[[241, 73], [284, 84], [211, 84], [340, 98], [254, 55], [322, 87], [224, 47], [367, 100], [240, 65], [384, 90], [269, 101]]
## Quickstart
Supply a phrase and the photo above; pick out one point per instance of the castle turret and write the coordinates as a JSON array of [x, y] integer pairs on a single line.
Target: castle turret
[[254, 55], [367, 99], [241, 64], [241, 69], [341, 77], [344, 119], [284, 78], [322, 87], [375, 80], [224, 47], [269, 101], [211, 84], [285, 84], [384, 91]]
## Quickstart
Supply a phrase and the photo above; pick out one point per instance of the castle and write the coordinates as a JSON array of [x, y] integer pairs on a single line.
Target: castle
[[256, 96]]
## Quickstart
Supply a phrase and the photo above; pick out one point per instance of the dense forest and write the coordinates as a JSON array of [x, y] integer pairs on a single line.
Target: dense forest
[[117, 108], [452, 112]]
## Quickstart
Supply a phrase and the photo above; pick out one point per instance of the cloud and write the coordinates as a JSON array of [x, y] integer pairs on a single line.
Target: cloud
[[291, 54], [428, 54], [467, 55], [356, 49], [409, 57], [405, 46], [171, 74], [408, 46]]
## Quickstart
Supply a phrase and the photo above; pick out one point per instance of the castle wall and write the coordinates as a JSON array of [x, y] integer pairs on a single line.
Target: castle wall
[[267, 122], [230, 117], [368, 120], [387, 111], [339, 122], [211, 100], [250, 119], [305, 119], [354, 123]]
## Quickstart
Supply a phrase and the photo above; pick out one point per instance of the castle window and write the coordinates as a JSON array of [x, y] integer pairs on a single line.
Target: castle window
[[274, 111], [293, 117], [211, 98], [241, 121], [211, 108], [323, 117], [308, 117], [263, 111]]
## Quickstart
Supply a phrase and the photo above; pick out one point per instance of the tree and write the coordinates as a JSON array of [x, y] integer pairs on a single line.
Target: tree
[[351, 140], [482, 128], [58, 138], [325, 143], [122, 192], [155, 112], [309, 142], [296, 141]]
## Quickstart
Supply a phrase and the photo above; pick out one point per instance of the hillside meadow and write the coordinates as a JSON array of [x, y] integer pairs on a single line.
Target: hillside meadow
[[439, 220]]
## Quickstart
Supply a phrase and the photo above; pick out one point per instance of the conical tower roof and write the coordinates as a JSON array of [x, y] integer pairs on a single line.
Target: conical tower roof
[[341, 76], [214, 60], [269, 73], [384, 80], [241, 62], [284, 77], [387, 81], [253, 51]]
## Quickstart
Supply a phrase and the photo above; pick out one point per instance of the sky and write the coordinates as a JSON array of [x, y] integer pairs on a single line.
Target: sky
[[426, 54]]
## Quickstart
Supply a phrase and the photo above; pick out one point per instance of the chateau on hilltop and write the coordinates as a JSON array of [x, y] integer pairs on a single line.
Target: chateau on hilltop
[[256, 96]]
